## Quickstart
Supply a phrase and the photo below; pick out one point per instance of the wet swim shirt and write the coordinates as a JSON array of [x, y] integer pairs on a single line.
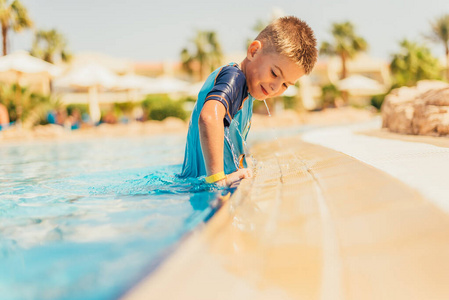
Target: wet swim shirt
[[228, 86]]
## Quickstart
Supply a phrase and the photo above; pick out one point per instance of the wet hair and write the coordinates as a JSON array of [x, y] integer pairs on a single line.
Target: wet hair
[[293, 38]]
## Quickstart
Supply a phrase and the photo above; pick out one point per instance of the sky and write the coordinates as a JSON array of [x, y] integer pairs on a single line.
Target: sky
[[149, 30]]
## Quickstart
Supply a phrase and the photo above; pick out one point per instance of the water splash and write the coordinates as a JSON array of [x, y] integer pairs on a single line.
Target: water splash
[[231, 146], [272, 130], [268, 110], [245, 145], [152, 181]]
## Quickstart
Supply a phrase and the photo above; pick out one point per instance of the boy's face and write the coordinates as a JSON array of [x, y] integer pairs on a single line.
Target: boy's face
[[269, 74]]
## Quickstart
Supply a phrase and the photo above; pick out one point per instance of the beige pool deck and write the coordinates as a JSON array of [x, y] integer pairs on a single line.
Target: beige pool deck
[[337, 222]]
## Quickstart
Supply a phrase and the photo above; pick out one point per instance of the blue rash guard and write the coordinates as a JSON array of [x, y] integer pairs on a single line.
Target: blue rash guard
[[228, 86]]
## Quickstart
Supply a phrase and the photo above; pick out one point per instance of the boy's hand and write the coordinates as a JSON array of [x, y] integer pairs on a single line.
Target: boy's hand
[[211, 129], [236, 176]]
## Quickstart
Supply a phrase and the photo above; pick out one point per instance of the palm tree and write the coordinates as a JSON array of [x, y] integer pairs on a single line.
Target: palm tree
[[50, 45], [13, 15], [413, 63], [207, 53], [346, 44], [187, 61], [440, 33]]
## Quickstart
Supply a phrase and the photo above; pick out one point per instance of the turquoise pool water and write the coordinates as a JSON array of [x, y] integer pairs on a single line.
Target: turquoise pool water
[[87, 219]]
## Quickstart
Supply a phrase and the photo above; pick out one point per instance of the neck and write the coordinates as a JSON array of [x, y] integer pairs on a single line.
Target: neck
[[243, 66]]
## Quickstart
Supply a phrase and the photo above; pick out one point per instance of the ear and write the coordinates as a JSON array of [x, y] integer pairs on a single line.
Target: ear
[[254, 48]]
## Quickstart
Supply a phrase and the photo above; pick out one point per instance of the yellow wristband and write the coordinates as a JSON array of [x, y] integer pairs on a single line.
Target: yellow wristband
[[216, 177]]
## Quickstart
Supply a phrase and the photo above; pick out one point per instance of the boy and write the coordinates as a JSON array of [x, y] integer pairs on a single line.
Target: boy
[[283, 52]]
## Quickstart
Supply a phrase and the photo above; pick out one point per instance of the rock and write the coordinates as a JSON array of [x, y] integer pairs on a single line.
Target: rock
[[423, 109]]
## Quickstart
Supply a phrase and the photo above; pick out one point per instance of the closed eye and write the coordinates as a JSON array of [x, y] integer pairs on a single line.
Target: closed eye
[[274, 74], [286, 86]]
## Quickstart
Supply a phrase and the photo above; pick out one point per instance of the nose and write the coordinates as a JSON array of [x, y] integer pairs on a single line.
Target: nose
[[275, 86]]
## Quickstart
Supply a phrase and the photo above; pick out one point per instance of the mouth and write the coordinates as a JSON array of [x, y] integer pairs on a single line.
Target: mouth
[[264, 91]]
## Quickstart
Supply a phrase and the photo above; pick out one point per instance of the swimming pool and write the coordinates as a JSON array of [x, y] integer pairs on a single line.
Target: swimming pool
[[87, 219]]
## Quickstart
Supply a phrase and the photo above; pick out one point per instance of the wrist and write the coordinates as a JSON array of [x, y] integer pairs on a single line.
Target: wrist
[[215, 177]]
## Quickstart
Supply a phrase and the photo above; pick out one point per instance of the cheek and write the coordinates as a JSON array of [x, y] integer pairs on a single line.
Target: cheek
[[254, 76], [253, 80]]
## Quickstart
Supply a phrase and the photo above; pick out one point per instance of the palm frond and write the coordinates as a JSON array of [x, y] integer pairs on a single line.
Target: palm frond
[[20, 18]]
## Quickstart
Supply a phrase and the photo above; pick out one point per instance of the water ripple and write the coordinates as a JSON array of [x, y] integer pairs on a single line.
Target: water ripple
[[90, 216]]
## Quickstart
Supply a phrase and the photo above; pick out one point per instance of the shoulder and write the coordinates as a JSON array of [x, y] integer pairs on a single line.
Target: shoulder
[[231, 75]]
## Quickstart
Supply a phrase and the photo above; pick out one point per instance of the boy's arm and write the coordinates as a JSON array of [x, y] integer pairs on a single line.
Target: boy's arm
[[212, 135], [211, 129]]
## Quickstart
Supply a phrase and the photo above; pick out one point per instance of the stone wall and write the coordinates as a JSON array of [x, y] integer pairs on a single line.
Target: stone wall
[[422, 110]]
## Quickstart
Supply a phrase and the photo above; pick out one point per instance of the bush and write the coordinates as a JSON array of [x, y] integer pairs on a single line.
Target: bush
[[82, 108], [329, 94], [413, 63], [124, 107], [290, 102], [159, 107], [377, 100], [31, 108]]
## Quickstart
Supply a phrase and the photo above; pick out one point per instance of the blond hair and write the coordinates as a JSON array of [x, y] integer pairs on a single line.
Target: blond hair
[[293, 38]]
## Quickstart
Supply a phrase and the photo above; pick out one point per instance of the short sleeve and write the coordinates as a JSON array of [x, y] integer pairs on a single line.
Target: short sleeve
[[229, 89]]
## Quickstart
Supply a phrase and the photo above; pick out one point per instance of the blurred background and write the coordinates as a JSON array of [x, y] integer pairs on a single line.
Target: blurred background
[[79, 64]]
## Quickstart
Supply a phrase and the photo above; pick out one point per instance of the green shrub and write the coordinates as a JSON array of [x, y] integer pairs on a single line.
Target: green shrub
[[189, 99], [82, 108], [124, 107], [414, 62], [159, 107], [40, 105], [290, 102], [31, 108], [377, 100], [329, 94]]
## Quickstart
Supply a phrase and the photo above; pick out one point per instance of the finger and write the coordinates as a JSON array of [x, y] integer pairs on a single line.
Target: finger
[[244, 174], [222, 182]]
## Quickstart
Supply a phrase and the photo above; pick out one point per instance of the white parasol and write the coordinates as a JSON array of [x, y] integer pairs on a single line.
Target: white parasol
[[361, 85], [20, 63], [91, 76], [23, 62], [166, 85], [133, 82]]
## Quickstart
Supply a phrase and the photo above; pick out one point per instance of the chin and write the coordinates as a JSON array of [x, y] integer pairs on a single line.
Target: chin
[[259, 97]]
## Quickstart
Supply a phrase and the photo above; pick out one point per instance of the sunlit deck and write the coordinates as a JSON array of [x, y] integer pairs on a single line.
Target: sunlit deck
[[314, 223]]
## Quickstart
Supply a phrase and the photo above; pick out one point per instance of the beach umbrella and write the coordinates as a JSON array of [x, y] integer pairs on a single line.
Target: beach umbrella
[[20, 63], [87, 76], [361, 84], [93, 77], [133, 82], [166, 85]]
